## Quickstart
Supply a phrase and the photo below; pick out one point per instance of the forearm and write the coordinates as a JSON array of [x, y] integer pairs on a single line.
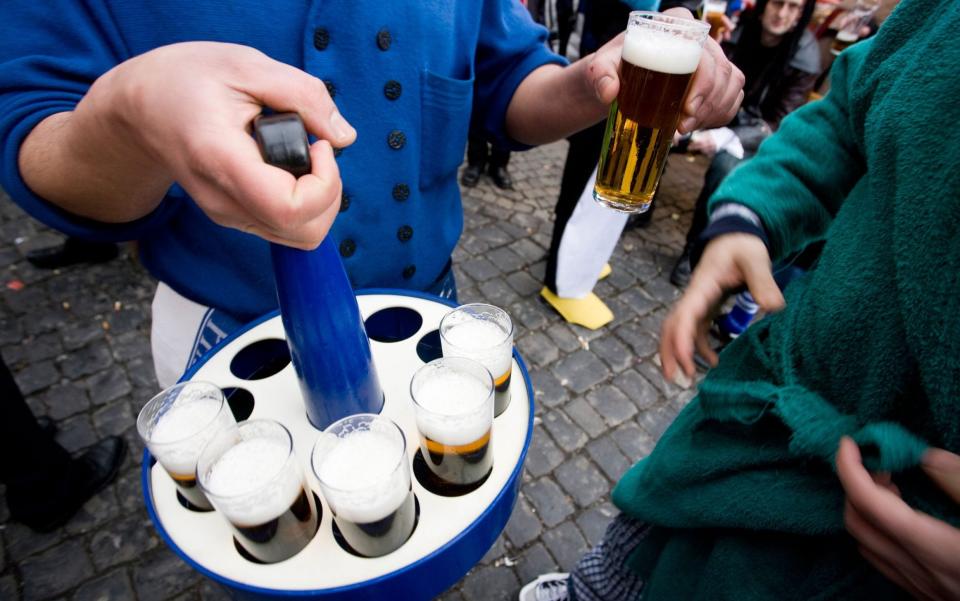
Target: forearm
[[552, 103], [82, 162]]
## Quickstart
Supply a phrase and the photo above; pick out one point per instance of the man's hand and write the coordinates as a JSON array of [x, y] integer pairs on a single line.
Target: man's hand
[[715, 93], [182, 113], [918, 552], [728, 262]]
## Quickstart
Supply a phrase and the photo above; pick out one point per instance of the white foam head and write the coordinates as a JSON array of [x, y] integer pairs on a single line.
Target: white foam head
[[182, 431], [454, 408], [254, 481], [483, 341], [661, 51], [364, 475]]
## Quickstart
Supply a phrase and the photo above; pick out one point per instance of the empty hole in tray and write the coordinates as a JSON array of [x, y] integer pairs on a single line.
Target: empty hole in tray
[[187, 504], [246, 554], [393, 324], [437, 486], [429, 347], [338, 536], [240, 401], [261, 359]]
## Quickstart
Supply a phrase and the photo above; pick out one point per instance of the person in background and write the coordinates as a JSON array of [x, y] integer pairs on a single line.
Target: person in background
[[780, 60], [72, 251], [480, 156]]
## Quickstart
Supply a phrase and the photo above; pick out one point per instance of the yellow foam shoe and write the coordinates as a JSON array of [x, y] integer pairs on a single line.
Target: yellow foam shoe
[[605, 271], [589, 311]]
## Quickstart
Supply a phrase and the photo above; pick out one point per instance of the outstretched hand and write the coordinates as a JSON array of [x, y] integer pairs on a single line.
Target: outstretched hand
[[715, 93], [728, 262], [918, 552]]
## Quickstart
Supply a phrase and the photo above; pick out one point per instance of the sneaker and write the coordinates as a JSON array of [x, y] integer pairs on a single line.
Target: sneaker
[[547, 587]]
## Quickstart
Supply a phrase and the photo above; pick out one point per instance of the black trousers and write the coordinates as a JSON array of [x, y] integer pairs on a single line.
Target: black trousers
[[721, 166], [30, 461], [477, 154], [582, 157]]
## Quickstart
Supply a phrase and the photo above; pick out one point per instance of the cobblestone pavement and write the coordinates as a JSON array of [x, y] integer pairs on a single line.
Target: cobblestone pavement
[[77, 341]]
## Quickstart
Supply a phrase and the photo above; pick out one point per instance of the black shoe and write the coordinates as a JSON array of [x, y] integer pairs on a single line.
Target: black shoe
[[471, 175], [84, 477], [501, 178], [680, 274], [47, 425], [71, 252]]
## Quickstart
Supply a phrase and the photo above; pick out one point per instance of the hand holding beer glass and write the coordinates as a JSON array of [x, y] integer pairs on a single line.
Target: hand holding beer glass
[[253, 478], [660, 55], [364, 474], [176, 424], [453, 404], [483, 333]]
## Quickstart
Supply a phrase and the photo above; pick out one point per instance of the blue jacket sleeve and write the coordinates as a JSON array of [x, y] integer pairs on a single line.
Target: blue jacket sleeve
[[51, 52], [511, 45]]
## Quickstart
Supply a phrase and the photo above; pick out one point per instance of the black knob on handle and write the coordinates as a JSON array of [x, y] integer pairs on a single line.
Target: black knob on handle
[[282, 139]]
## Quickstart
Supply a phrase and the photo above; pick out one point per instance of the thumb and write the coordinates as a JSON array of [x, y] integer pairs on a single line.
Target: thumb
[[759, 279], [943, 467]]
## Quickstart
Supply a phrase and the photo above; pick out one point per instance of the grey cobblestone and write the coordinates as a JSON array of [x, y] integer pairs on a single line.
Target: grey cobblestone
[[600, 401]]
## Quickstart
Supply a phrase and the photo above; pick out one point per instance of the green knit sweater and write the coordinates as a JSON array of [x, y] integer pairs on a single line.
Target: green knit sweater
[[742, 486]]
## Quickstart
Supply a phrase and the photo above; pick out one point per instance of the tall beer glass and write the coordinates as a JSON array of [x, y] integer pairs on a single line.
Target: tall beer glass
[[364, 473], [253, 478], [483, 333], [714, 13], [176, 424], [660, 54], [453, 404]]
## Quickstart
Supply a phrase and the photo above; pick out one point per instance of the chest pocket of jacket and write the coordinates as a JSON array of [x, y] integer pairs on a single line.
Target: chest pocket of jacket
[[445, 119]]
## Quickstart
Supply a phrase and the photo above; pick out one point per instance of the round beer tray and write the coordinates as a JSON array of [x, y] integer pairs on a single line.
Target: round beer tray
[[452, 533]]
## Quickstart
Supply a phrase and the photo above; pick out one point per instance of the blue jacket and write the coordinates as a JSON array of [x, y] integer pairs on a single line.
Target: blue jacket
[[415, 68]]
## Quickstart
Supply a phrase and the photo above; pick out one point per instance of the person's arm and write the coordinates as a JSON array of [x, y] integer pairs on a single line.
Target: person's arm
[[553, 102], [181, 113], [794, 186]]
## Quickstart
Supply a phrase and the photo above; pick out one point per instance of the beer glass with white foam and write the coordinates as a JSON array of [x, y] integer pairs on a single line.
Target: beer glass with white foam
[[453, 405], [176, 424], [660, 55], [362, 466], [483, 333], [713, 13], [253, 478]]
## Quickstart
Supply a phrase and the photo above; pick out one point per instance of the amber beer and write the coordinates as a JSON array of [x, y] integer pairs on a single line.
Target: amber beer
[[842, 41], [660, 55], [715, 12]]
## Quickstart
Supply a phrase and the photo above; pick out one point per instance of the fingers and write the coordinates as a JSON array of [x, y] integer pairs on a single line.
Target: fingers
[[715, 92], [686, 326], [237, 189], [943, 467], [286, 88]]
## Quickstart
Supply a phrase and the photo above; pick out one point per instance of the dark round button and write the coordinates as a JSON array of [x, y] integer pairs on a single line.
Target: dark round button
[[392, 89], [321, 38], [404, 233], [347, 248], [384, 39], [401, 192], [396, 139], [408, 271], [345, 200], [331, 89]]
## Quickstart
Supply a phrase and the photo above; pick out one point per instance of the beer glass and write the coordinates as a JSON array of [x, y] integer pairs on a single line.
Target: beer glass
[[660, 54], [714, 12], [483, 333], [252, 477], [364, 474], [176, 424], [853, 22], [453, 405]]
